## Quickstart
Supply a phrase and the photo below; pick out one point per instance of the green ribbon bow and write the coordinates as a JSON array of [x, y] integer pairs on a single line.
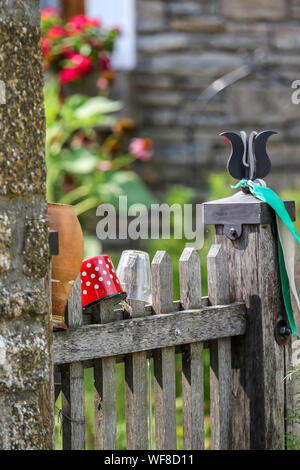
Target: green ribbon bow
[[285, 229]]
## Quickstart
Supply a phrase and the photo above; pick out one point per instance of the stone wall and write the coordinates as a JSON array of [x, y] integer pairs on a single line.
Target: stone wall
[[185, 45], [25, 324]]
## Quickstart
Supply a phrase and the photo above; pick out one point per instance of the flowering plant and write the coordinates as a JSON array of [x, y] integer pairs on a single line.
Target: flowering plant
[[83, 169], [76, 48]]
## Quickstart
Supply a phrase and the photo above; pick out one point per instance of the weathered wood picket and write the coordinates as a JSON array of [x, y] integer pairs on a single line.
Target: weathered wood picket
[[184, 327], [249, 399]]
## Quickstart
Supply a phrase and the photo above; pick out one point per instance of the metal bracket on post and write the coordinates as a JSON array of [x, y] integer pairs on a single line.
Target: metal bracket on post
[[53, 242], [235, 211], [233, 231]]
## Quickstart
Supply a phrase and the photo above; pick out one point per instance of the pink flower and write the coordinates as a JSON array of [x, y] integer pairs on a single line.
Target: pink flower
[[48, 12], [80, 22], [141, 148], [102, 83]]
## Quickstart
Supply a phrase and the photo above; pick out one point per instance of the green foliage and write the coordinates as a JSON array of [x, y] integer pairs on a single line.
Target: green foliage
[[74, 154]]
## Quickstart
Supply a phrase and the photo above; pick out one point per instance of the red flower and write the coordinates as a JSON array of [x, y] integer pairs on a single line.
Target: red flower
[[56, 32], [79, 65], [80, 22], [45, 46], [141, 148], [69, 75], [49, 12], [81, 61]]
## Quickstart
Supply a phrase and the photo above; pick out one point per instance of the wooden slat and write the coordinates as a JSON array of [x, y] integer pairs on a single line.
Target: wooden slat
[[192, 359], [105, 404], [136, 391], [74, 319], [217, 276], [74, 316], [190, 279], [165, 399], [162, 283], [73, 407], [164, 359], [72, 377], [105, 392], [220, 355], [220, 394], [152, 332], [193, 397], [47, 392], [136, 401]]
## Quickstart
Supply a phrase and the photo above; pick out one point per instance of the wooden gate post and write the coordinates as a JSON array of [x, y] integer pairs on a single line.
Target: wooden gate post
[[245, 229]]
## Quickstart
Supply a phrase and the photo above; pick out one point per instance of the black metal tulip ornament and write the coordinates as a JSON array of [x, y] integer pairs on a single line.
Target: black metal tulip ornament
[[248, 159]]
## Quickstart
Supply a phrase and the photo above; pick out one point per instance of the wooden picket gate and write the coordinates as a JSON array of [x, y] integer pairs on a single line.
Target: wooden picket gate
[[161, 330]]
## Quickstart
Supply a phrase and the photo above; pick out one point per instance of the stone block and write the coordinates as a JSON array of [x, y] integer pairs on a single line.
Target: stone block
[[36, 248], [199, 25], [271, 10], [171, 135], [262, 103], [21, 11], [21, 416], [7, 221], [207, 64], [157, 98], [295, 8], [22, 119], [286, 37], [162, 42], [185, 8], [150, 16], [20, 301], [243, 40], [23, 356]]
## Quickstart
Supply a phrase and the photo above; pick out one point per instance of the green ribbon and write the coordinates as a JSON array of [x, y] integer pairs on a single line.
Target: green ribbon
[[270, 197]]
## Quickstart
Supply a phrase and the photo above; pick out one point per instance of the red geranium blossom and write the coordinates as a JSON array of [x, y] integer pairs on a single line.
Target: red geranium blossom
[[80, 60], [56, 32], [45, 45], [69, 74], [80, 22], [79, 66]]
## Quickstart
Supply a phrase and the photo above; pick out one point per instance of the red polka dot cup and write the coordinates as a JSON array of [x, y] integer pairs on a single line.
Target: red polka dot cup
[[98, 280]]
